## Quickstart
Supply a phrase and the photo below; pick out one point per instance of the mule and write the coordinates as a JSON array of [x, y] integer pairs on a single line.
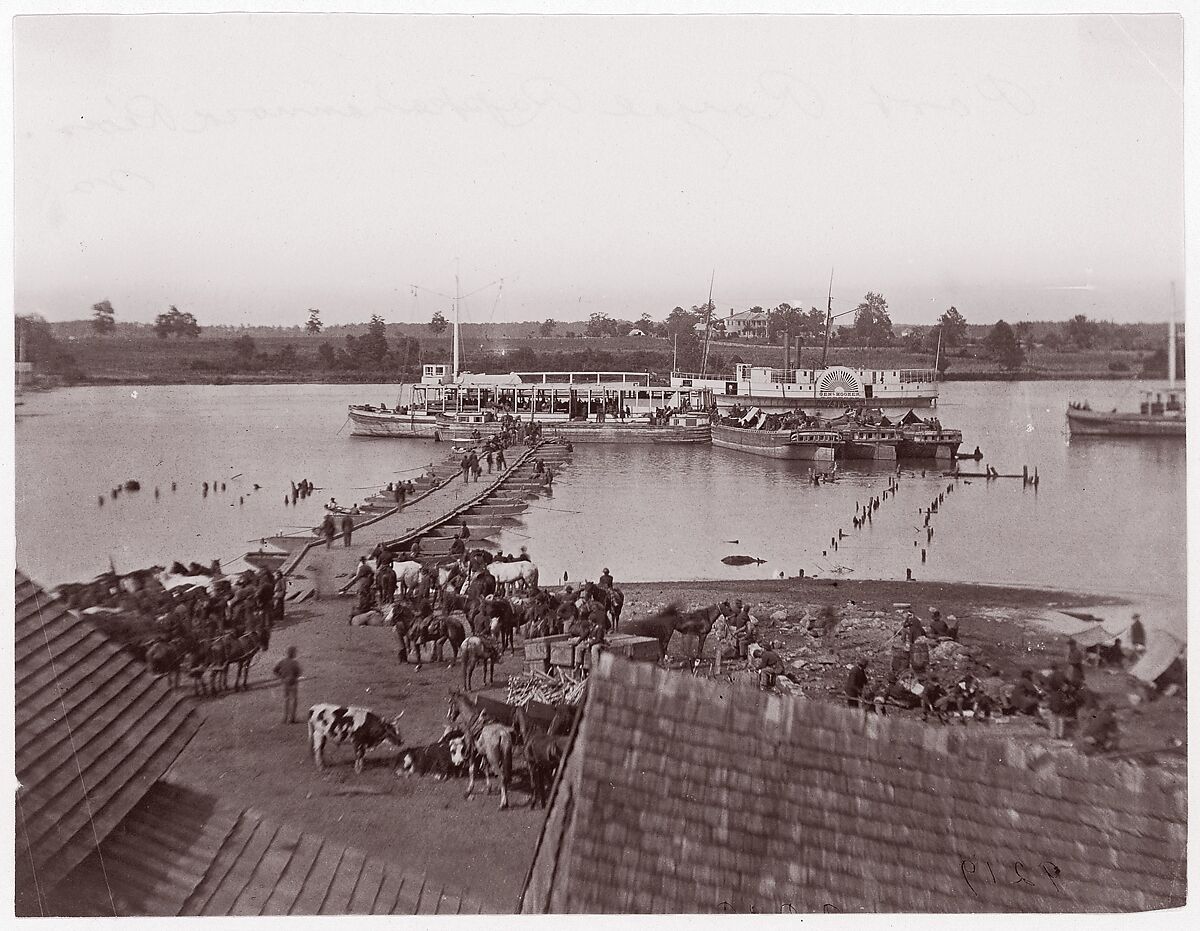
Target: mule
[[479, 652], [503, 619], [242, 650], [489, 746], [219, 650], [164, 658], [543, 755]]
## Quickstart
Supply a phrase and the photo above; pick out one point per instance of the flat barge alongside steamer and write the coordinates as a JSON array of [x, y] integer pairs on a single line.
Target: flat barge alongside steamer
[[853, 436]]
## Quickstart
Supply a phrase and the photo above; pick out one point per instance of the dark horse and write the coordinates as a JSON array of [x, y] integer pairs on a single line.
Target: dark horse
[[612, 599], [543, 756], [437, 630], [661, 626], [502, 620]]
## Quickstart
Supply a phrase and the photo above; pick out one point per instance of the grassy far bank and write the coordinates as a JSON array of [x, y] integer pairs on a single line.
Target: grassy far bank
[[225, 356]]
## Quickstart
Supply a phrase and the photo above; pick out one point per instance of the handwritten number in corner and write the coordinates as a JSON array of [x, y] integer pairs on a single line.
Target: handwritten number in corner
[[968, 870], [1018, 866], [1053, 872]]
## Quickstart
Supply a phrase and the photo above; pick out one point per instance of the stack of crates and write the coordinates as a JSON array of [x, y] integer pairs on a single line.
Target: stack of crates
[[537, 652]]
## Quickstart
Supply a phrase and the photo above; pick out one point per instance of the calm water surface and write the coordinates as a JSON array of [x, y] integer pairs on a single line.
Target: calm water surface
[[1109, 515]]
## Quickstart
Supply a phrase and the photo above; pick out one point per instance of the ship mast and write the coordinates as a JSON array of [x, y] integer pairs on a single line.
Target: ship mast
[[457, 301], [457, 298], [708, 313], [828, 319]]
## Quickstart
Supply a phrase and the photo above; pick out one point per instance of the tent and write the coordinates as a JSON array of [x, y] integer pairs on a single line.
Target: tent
[[1094, 636], [910, 418], [1161, 651]]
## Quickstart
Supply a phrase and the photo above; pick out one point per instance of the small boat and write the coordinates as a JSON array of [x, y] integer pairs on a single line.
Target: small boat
[[926, 438], [866, 436], [1157, 417], [1162, 412]]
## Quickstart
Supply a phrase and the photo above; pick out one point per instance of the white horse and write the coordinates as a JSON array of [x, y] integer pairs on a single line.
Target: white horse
[[509, 573], [408, 576]]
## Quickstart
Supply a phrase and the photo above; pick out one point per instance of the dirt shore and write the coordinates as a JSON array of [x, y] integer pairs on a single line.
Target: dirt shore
[[245, 754], [1004, 629]]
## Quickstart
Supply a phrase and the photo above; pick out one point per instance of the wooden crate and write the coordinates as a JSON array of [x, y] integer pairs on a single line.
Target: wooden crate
[[539, 647], [535, 665], [636, 648], [562, 654]]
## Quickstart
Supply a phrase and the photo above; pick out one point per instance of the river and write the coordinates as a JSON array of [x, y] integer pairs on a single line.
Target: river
[[1108, 517]]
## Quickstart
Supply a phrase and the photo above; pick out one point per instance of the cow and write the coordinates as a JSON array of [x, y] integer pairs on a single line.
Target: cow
[[441, 760], [363, 727]]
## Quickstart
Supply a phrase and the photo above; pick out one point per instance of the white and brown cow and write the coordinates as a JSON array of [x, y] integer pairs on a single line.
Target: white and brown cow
[[363, 727]]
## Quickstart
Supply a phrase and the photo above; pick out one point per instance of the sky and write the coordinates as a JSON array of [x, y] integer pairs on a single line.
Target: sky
[[247, 167]]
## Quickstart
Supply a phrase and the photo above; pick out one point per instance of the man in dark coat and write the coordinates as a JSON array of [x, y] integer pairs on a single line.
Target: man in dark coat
[[385, 578], [1137, 634], [856, 683], [1025, 698], [347, 529]]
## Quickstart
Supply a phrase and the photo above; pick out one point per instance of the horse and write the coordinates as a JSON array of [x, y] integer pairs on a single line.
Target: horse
[[502, 617], [243, 649], [481, 586], [507, 574], [219, 649], [613, 600], [479, 652], [450, 578], [402, 619], [543, 755], [487, 743], [163, 659], [430, 629], [197, 662], [662, 625], [437, 630], [408, 577]]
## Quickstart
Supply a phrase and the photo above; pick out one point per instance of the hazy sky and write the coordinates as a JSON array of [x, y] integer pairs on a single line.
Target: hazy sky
[[247, 167]]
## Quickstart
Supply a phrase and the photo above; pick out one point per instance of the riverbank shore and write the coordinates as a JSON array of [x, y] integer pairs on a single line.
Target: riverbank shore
[[1003, 630], [247, 755]]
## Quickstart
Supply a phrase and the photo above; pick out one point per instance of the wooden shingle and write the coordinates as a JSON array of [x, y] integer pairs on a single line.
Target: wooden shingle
[[216, 860], [93, 731], [747, 802]]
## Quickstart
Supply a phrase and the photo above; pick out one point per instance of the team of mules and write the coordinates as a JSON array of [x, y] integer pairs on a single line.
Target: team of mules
[[491, 736], [206, 657]]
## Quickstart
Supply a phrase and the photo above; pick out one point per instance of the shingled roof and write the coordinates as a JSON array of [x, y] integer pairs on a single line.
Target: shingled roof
[[689, 795], [180, 852], [93, 731]]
